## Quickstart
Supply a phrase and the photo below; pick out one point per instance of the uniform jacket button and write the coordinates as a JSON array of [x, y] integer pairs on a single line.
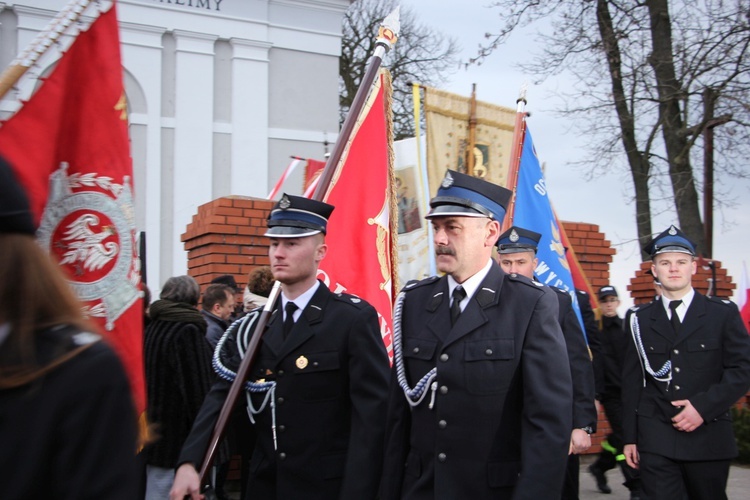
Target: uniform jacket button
[[443, 389], [442, 457], [488, 352], [444, 357], [442, 424], [280, 401], [282, 456], [415, 350], [677, 369], [282, 428]]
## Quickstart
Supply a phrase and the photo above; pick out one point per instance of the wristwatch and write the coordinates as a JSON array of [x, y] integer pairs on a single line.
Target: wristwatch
[[588, 429]]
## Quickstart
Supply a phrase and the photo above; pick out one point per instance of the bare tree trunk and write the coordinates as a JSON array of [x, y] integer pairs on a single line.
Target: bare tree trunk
[[638, 161], [675, 139]]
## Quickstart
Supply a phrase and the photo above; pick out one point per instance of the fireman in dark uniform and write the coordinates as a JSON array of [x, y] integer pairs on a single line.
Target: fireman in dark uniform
[[319, 384], [480, 402], [517, 249], [687, 364]]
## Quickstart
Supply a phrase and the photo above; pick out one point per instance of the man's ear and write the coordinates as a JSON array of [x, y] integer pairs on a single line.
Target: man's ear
[[493, 233]]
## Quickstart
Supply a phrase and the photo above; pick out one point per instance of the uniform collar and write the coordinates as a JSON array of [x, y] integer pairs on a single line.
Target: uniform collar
[[301, 301], [682, 308], [470, 285]]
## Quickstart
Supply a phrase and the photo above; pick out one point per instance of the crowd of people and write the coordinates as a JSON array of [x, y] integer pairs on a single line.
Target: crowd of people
[[492, 393]]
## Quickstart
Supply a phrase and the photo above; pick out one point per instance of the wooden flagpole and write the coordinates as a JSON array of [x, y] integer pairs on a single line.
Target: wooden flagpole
[[70, 14], [387, 36], [515, 157]]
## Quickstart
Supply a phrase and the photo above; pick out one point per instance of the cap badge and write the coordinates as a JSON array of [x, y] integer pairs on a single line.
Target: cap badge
[[672, 230], [285, 202], [447, 180], [513, 236], [301, 362]]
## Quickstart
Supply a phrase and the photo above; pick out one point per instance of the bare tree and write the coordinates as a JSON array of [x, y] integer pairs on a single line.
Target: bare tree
[[421, 55], [645, 70]]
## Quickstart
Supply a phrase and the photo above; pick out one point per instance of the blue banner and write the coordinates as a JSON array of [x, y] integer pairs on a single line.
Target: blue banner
[[533, 211]]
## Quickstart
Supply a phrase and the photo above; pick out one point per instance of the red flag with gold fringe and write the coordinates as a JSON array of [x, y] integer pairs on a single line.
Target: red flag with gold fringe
[[361, 231], [69, 147]]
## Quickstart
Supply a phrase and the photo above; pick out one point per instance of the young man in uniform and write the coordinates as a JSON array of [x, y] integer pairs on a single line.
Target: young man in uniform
[[319, 382], [517, 249], [480, 404], [609, 363], [687, 364]]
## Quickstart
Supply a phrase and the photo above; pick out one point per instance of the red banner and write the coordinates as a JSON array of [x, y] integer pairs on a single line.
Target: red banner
[[361, 230], [70, 149]]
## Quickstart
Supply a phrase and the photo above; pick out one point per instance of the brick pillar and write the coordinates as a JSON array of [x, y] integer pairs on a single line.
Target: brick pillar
[[594, 252], [226, 237]]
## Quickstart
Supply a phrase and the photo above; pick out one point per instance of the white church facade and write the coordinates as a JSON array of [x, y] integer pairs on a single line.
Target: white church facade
[[220, 94]]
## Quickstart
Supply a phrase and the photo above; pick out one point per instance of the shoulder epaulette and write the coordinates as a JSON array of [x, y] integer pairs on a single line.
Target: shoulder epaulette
[[526, 281], [351, 300], [725, 302], [413, 284]]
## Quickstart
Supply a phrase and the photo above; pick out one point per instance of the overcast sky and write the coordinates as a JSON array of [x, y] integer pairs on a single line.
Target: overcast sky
[[603, 201]]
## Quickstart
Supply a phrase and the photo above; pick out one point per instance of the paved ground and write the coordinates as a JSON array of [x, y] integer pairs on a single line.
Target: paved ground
[[738, 487]]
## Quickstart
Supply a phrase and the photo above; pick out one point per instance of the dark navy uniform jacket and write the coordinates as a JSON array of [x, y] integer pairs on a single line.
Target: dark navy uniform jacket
[[501, 421], [710, 367], [332, 383], [581, 368]]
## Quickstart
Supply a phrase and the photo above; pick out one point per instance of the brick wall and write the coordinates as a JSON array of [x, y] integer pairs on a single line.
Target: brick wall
[[226, 237]]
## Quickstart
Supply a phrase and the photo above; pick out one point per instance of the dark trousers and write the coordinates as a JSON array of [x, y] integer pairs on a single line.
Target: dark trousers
[[571, 484], [607, 459], [663, 478]]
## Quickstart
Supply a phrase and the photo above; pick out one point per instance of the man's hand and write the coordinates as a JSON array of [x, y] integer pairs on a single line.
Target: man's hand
[[580, 441], [688, 419], [186, 483], [631, 455]]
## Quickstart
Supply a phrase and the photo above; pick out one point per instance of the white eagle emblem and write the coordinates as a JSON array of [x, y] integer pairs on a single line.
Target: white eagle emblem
[[86, 247], [89, 226]]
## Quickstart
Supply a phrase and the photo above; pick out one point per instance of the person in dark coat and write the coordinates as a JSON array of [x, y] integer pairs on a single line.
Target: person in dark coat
[[614, 343], [517, 249], [217, 308], [322, 363], [480, 401], [687, 364], [177, 359], [67, 420]]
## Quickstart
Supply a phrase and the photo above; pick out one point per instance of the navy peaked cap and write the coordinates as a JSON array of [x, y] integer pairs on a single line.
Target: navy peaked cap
[[466, 196], [607, 291], [671, 240], [297, 217], [517, 239]]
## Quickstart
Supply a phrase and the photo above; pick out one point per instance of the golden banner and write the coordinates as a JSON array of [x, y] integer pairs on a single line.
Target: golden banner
[[447, 116]]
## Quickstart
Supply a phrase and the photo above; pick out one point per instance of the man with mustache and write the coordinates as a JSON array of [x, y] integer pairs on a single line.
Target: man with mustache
[[480, 400]]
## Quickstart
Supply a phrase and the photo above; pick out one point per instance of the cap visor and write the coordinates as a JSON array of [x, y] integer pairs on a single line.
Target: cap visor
[[454, 211], [290, 232]]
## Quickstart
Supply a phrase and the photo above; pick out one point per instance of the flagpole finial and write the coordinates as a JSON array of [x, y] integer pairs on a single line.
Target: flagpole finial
[[389, 29], [521, 101]]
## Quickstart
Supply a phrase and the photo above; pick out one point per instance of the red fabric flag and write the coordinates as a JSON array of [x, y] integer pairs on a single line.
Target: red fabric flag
[[744, 298], [70, 149], [361, 230], [313, 169]]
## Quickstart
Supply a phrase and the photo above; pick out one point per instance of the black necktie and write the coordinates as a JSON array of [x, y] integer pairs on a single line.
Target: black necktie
[[459, 294], [289, 320], [675, 319]]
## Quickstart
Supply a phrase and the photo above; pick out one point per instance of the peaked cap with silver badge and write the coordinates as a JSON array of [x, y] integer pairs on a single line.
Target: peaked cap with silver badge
[[297, 217], [466, 196]]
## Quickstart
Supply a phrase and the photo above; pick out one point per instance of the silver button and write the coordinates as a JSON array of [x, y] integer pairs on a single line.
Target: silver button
[[443, 389], [676, 351], [442, 457], [280, 401], [444, 357], [282, 428], [677, 387], [415, 350], [442, 424], [703, 346], [282, 456], [677, 369], [488, 352]]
